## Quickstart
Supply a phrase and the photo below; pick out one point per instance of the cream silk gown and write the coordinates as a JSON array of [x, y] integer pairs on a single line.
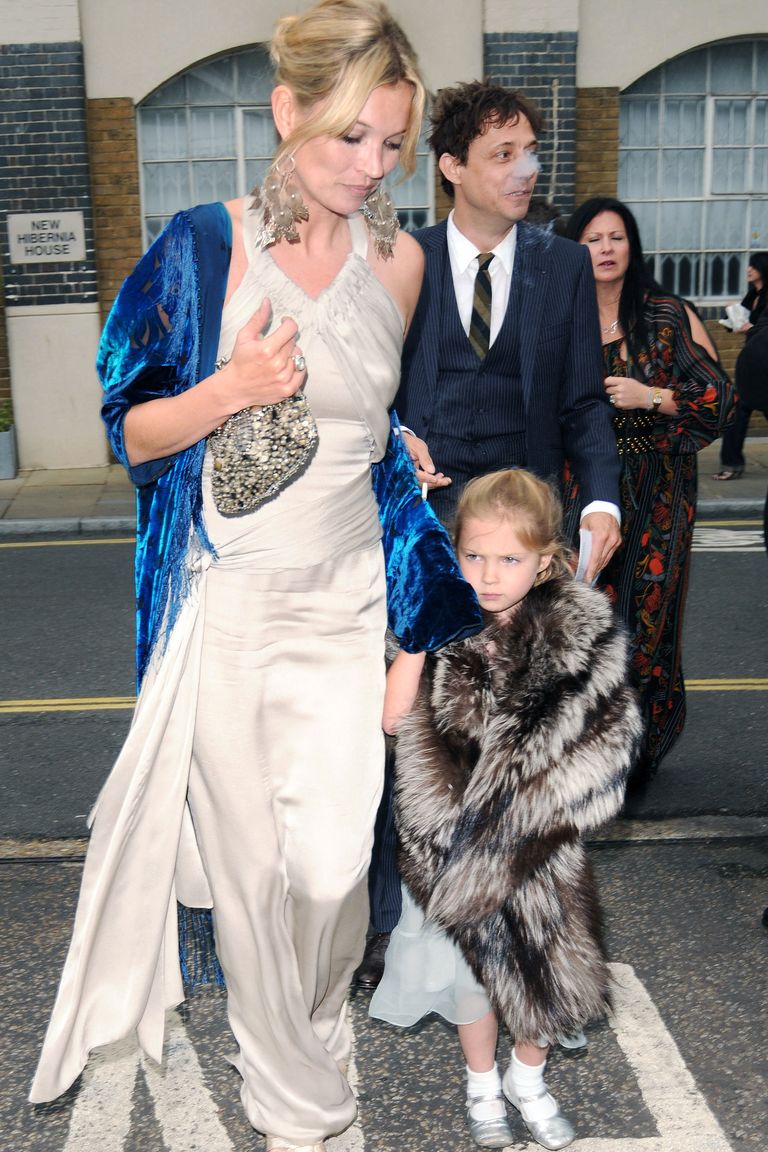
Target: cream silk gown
[[251, 774]]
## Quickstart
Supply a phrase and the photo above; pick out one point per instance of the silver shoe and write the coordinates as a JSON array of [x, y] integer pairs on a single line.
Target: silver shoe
[[574, 1044], [494, 1132], [555, 1132]]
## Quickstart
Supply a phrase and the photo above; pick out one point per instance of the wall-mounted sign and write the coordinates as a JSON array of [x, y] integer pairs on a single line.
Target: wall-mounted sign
[[46, 237]]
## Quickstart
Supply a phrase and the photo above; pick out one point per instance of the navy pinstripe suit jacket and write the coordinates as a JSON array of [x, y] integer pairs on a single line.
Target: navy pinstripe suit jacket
[[561, 363]]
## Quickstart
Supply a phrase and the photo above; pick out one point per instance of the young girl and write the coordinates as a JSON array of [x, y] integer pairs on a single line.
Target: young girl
[[511, 745]]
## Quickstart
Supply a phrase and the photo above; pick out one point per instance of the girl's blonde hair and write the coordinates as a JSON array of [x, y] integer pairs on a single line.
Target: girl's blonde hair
[[530, 504], [336, 53]]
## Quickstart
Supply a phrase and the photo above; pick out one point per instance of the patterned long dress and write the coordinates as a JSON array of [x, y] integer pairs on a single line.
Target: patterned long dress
[[647, 578]]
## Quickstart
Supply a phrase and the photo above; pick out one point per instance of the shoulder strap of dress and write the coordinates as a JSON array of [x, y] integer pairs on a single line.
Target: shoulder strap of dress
[[359, 233]]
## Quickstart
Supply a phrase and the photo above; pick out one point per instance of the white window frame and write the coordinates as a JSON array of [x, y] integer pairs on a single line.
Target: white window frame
[[152, 223], [751, 240]]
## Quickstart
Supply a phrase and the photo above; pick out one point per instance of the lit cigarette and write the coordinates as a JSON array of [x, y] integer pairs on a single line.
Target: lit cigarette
[[424, 490]]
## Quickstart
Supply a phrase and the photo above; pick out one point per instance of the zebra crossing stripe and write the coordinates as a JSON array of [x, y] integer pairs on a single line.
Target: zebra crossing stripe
[[101, 1116], [682, 1116], [707, 538], [681, 1113], [188, 1119], [184, 1108]]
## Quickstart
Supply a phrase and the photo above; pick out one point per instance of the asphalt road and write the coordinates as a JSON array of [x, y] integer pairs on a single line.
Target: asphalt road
[[681, 1066], [67, 637]]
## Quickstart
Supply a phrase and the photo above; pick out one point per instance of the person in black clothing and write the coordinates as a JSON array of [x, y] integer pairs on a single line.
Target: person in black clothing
[[752, 393]]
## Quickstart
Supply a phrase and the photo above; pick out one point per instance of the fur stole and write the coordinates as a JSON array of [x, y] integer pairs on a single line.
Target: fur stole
[[520, 742]]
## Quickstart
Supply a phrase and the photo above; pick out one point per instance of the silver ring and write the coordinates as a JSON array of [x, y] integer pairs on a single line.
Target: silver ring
[[299, 362], [612, 398]]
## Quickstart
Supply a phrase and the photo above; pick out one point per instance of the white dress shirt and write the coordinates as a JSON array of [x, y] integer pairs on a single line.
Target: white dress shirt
[[463, 255]]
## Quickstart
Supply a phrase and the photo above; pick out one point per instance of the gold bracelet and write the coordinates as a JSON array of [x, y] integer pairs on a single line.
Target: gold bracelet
[[657, 398]]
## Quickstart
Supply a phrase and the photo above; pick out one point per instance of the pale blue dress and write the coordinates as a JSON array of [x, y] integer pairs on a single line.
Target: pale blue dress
[[425, 973]]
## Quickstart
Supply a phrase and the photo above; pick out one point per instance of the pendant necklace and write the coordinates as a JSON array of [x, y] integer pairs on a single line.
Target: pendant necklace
[[611, 328]]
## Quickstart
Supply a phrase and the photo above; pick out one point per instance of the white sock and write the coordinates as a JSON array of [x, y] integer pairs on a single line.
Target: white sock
[[485, 1084], [528, 1081]]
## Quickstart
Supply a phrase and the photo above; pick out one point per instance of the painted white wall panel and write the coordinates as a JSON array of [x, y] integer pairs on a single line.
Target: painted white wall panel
[[39, 21], [56, 393], [131, 48]]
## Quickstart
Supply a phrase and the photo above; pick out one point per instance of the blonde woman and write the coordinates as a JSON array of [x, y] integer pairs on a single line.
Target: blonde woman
[[251, 776]]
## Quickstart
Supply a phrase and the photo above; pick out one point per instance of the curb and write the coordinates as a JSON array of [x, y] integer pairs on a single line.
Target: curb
[[86, 525], [68, 525], [714, 509]]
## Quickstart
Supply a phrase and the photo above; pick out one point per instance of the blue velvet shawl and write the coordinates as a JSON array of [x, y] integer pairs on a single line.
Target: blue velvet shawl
[[160, 338]]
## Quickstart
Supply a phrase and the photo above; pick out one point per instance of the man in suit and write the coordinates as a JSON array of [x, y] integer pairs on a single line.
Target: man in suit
[[536, 396], [504, 373]]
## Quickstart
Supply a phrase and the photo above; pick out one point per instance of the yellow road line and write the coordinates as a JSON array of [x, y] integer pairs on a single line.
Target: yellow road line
[[67, 543], [73, 704], [728, 523], [740, 684], [119, 703], [35, 850]]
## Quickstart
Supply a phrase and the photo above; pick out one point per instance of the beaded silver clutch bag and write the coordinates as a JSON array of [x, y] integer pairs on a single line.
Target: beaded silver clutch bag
[[260, 451]]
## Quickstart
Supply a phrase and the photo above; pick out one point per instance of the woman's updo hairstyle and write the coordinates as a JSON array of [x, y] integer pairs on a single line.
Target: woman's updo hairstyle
[[336, 53]]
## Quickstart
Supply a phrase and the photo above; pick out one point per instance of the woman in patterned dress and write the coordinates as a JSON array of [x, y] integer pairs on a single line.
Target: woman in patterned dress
[[671, 398]]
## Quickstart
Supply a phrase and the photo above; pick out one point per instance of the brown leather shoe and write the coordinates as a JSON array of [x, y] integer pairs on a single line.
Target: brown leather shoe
[[371, 969]]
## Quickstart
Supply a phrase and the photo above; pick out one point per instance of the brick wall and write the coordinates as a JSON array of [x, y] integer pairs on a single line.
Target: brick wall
[[728, 344], [543, 66], [115, 189], [45, 164], [597, 142]]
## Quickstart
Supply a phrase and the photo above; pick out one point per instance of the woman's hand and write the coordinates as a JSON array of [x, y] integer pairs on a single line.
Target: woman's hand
[[625, 392], [262, 369]]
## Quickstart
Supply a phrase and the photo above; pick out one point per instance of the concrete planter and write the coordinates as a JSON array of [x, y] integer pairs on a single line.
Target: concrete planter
[[8, 459]]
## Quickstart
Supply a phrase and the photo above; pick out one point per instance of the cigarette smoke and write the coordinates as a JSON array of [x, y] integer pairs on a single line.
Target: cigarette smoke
[[525, 166]]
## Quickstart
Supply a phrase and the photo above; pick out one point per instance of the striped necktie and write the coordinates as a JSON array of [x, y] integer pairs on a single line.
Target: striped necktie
[[480, 324]]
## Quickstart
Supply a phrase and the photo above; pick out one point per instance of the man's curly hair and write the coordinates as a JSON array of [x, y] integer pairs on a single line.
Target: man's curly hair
[[461, 114]]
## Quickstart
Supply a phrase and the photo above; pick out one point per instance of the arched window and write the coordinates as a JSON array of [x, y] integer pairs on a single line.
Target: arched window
[[693, 166], [208, 135]]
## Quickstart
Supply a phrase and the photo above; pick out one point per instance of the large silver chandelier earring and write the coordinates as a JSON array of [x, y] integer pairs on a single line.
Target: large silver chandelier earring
[[381, 217], [282, 204]]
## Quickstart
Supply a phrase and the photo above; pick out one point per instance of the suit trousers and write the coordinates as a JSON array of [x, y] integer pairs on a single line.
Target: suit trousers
[[285, 783], [384, 890]]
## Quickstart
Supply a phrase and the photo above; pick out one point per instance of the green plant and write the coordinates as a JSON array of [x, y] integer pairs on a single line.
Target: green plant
[[6, 415]]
